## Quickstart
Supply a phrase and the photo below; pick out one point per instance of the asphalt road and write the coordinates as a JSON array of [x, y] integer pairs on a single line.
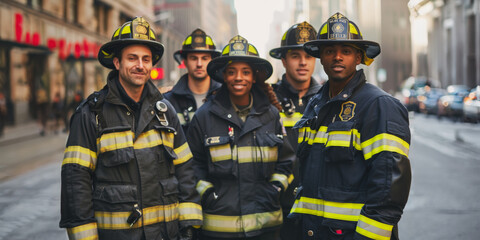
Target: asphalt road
[[443, 203]]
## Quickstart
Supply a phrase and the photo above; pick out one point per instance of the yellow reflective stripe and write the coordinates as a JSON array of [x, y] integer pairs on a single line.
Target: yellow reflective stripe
[[220, 152], [324, 29], [181, 118], [83, 232], [209, 41], [183, 154], [374, 229], [328, 209], [245, 223], [250, 154], [226, 50], [147, 140], [190, 211], [167, 138], [116, 32], [342, 139], [352, 29], [252, 49], [384, 142], [113, 141], [290, 120], [290, 178], [151, 215], [319, 136], [125, 30], [202, 186], [81, 156], [188, 41], [156, 214], [282, 178], [152, 35]]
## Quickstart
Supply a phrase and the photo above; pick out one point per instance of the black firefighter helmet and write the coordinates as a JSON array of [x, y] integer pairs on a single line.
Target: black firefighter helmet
[[137, 31], [239, 50], [338, 29], [197, 41], [294, 37]]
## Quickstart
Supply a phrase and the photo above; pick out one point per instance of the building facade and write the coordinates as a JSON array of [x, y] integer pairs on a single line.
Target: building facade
[[51, 46], [446, 40]]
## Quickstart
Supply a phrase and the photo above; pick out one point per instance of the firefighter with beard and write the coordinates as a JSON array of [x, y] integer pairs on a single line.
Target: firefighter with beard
[[127, 170], [294, 90], [354, 140], [192, 88]]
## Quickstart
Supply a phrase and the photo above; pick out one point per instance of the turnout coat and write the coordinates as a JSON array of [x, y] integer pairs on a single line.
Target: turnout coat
[[355, 171], [116, 170], [236, 165]]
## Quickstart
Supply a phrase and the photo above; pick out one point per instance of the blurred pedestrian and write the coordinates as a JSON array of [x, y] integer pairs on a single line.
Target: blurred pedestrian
[[294, 90], [58, 111], [42, 109], [241, 157], [127, 171], [353, 145], [190, 92], [3, 112]]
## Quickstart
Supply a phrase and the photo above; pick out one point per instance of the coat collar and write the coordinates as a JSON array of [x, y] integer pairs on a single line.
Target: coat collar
[[181, 88], [312, 89]]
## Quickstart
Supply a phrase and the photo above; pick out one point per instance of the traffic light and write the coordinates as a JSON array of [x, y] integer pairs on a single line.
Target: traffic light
[[156, 74]]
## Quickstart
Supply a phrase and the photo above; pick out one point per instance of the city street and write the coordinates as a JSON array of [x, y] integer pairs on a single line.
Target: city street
[[443, 203]]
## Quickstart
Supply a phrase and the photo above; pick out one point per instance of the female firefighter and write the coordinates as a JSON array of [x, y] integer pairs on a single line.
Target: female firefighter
[[242, 158]]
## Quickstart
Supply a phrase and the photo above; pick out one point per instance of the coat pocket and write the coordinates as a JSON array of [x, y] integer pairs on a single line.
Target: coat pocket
[[115, 194], [220, 155], [341, 141], [169, 186], [115, 146]]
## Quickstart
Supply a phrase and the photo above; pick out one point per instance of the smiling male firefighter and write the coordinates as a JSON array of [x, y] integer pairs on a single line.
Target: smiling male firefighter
[[127, 173], [294, 90], [353, 145]]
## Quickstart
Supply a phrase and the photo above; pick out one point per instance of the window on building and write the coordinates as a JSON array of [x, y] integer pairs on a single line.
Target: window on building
[[101, 16], [71, 11], [35, 4]]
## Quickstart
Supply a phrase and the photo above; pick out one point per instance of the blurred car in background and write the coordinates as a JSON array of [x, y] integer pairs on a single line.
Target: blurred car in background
[[429, 99], [451, 105], [471, 105], [411, 89]]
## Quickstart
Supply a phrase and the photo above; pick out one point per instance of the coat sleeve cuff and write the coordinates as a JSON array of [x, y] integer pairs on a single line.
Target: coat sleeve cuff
[[86, 231]]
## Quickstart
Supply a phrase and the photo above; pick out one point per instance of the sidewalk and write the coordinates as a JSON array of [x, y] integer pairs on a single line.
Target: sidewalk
[[24, 131]]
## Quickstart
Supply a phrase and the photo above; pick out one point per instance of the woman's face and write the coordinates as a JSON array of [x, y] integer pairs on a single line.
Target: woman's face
[[239, 78]]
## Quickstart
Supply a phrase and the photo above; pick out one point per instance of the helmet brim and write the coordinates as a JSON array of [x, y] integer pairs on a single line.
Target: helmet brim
[[372, 49], [263, 67], [106, 52], [277, 52], [179, 55]]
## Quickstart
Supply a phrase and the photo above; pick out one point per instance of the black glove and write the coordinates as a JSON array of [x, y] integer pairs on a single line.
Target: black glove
[[186, 233]]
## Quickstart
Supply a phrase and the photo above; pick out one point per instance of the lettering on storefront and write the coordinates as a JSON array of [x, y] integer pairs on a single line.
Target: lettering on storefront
[[85, 48]]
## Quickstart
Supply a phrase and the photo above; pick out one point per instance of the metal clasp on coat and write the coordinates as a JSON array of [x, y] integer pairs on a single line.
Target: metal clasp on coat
[[160, 113]]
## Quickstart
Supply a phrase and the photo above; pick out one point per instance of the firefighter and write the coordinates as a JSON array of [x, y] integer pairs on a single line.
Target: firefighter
[[189, 93], [127, 170], [353, 145], [241, 157], [294, 90]]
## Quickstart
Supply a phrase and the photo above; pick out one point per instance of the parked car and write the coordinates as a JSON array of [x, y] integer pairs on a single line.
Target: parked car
[[471, 105], [411, 89], [429, 99], [451, 105]]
